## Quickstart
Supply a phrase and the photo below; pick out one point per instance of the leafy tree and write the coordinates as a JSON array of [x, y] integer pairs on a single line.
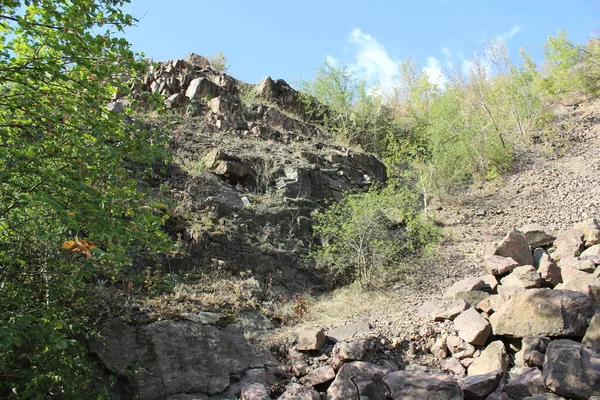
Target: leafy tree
[[219, 62], [72, 210], [366, 233], [351, 111]]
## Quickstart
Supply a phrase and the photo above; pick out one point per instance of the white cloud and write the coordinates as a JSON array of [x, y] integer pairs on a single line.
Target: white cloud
[[509, 35], [446, 51], [331, 60], [373, 63], [433, 70]]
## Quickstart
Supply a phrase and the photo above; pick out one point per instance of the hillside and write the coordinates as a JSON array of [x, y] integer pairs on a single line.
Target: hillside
[[257, 170]]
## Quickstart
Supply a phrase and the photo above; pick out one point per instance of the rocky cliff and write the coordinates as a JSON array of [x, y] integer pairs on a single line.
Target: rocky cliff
[[514, 318]]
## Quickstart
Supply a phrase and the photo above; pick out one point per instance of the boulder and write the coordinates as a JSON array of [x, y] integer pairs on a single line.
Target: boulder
[[477, 387], [235, 171], [223, 106], [175, 100], [459, 348], [201, 88], [451, 311], [524, 382], [472, 298], [592, 334], [543, 312], [577, 263], [490, 283], [350, 331], [571, 370], [298, 362], [367, 377], [515, 246], [533, 349], [525, 276], [538, 253], [568, 244], [197, 61], [309, 338], [184, 357], [453, 365], [404, 385], [299, 392], [472, 327], [498, 265], [255, 391], [118, 345], [579, 281], [591, 252], [591, 231], [464, 285], [490, 304], [537, 235], [318, 376], [343, 352], [549, 271], [493, 358]]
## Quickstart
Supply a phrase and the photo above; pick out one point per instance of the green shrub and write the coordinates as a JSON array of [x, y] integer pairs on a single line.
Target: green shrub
[[366, 233]]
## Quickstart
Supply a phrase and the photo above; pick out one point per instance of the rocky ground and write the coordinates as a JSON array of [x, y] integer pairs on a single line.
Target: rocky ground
[[451, 329]]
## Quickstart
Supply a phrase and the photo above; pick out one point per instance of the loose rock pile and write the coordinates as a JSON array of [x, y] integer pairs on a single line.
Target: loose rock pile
[[527, 330]]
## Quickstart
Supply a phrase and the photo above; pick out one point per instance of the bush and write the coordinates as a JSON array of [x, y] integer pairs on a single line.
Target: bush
[[366, 233], [72, 209]]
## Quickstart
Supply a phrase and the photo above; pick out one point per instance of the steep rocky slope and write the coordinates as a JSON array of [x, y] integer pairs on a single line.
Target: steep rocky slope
[[249, 168]]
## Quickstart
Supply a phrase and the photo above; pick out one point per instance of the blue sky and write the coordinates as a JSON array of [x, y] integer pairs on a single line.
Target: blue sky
[[290, 39]]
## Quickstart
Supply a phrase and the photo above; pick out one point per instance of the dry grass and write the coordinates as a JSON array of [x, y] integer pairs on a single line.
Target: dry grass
[[346, 303]]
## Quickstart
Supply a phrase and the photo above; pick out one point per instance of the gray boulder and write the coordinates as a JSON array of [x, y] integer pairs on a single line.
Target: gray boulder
[[367, 377], [184, 357], [479, 386], [543, 312], [592, 334], [525, 276], [343, 352], [493, 358], [404, 385], [571, 370], [525, 382], [309, 338], [537, 235]]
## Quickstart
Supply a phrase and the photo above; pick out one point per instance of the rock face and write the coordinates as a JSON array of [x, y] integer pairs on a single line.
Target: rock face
[[571, 370], [173, 357], [420, 385], [543, 312]]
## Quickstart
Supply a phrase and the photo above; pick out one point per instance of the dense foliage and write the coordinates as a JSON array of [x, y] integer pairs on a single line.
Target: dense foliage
[[366, 233], [71, 210], [439, 139]]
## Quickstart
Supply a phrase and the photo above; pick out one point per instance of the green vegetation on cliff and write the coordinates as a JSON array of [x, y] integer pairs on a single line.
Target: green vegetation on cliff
[[71, 212]]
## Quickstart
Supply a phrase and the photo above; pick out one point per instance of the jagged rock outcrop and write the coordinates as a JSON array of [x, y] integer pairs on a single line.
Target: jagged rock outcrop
[[168, 358]]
